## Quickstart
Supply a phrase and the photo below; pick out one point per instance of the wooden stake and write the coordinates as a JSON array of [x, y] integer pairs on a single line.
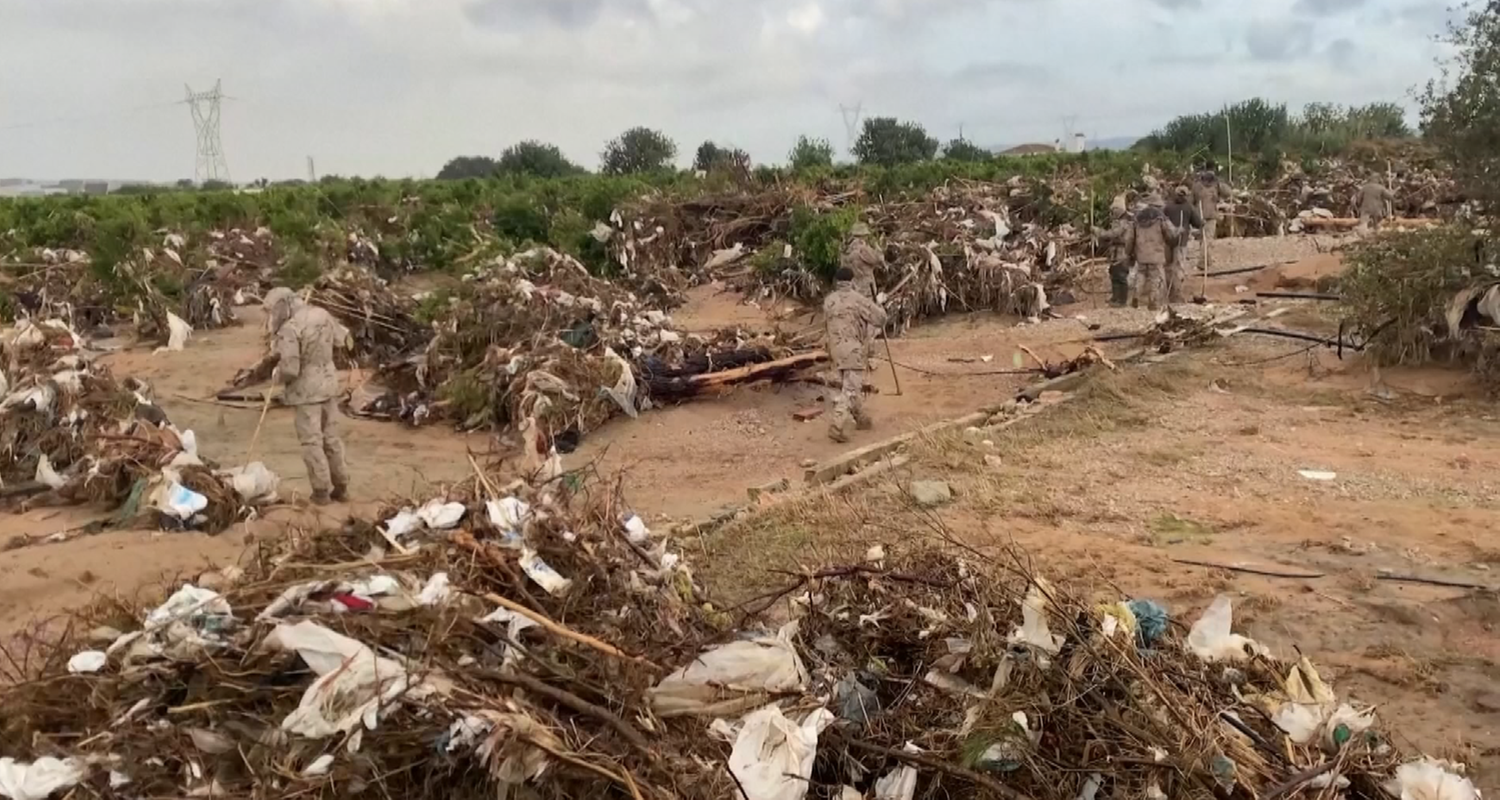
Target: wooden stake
[[255, 437]]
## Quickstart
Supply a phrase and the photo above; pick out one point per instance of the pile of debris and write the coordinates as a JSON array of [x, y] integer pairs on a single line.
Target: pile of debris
[[544, 642], [187, 282], [73, 434], [969, 246], [534, 338]]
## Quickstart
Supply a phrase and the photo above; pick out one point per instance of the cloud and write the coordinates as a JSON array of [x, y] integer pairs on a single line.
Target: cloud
[[397, 87], [564, 13], [1342, 53], [1278, 40], [1323, 8]]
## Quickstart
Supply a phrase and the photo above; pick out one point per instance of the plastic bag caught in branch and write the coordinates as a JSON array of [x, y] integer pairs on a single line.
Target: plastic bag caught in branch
[[731, 671], [773, 756], [1212, 640], [1034, 630], [353, 682]]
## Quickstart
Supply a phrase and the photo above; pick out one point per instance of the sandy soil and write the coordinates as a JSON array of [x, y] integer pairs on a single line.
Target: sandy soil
[[1196, 458]]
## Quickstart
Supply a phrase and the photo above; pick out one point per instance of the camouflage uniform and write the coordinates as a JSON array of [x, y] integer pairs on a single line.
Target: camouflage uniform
[[851, 317], [863, 260], [1148, 242], [305, 337], [1208, 192], [1116, 239], [1185, 217], [1372, 199]]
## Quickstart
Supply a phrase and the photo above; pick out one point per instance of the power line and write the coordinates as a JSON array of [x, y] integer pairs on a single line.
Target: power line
[[210, 164]]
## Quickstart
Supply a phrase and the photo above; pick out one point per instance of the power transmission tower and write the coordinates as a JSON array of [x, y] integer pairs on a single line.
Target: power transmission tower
[[851, 115], [210, 165], [312, 174]]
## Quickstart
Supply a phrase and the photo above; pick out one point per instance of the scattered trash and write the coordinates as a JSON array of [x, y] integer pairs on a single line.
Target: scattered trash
[[1212, 639], [772, 757], [1430, 779], [37, 780], [440, 516], [747, 667], [87, 662], [1317, 475], [636, 530]]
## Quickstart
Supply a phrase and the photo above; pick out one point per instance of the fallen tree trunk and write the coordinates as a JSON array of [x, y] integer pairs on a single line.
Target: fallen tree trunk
[[678, 388], [1352, 222]]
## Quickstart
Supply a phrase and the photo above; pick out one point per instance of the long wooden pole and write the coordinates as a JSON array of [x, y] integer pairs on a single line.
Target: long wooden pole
[[875, 298]]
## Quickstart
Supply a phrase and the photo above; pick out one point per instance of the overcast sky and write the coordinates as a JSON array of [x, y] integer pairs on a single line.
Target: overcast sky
[[396, 87]]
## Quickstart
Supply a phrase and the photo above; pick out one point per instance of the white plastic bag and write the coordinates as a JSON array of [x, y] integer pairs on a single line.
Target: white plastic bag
[[179, 332], [87, 662], [773, 756], [353, 682], [1212, 640], [441, 516], [254, 483], [765, 664], [179, 501], [1429, 779], [509, 514], [46, 475], [543, 573], [635, 530], [1033, 630], [405, 521], [436, 592], [900, 783], [39, 779]]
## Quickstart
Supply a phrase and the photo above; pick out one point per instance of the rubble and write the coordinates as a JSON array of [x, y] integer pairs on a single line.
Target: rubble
[[333, 664]]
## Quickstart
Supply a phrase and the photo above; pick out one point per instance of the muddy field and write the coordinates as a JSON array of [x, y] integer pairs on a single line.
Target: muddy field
[[1174, 479]]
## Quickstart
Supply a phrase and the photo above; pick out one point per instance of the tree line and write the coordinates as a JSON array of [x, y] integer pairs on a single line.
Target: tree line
[[1255, 127]]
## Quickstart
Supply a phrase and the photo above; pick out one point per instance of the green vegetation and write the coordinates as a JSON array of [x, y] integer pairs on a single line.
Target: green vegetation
[[536, 160], [638, 150], [1461, 110], [819, 237], [887, 142], [810, 153], [1257, 127]]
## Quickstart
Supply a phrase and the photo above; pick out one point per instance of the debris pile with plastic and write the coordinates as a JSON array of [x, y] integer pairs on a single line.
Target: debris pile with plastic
[[543, 642], [71, 433]]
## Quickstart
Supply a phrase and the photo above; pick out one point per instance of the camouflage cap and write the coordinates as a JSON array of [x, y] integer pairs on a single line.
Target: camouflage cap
[[1182, 192], [859, 229]]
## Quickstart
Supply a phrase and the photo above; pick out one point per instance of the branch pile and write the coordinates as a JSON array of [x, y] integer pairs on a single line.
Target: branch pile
[[71, 433], [529, 642], [533, 337]]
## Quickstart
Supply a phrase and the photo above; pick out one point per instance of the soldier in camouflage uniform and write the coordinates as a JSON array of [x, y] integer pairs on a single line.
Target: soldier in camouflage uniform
[[1150, 238], [1119, 255], [1185, 217], [863, 259], [1208, 191], [1371, 202], [851, 318], [304, 338]]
